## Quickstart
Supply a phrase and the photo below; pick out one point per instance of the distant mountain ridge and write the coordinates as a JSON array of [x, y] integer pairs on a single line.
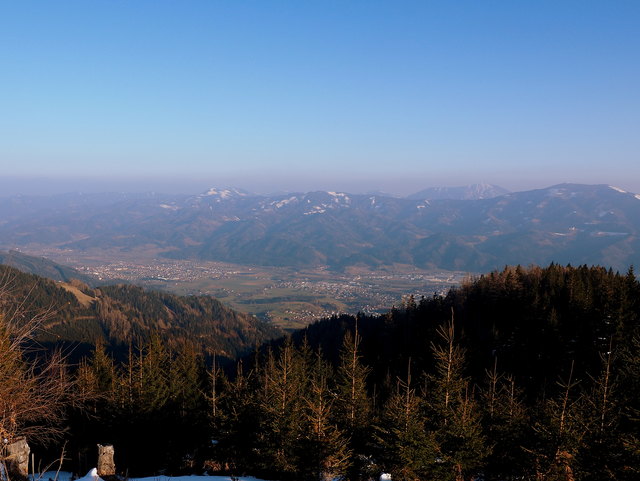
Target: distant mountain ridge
[[465, 192], [566, 223]]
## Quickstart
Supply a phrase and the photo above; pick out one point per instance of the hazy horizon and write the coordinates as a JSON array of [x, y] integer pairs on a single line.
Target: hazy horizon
[[11, 186]]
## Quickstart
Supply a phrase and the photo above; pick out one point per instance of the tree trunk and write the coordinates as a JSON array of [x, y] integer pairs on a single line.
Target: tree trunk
[[106, 465], [17, 459]]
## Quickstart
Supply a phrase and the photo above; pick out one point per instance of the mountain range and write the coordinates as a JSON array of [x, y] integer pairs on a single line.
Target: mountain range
[[566, 223], [464, 192]]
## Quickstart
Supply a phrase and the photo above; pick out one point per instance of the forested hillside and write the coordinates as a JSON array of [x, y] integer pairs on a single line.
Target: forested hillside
[[123, 314], [534, 322], [520, 374], [43, 267]]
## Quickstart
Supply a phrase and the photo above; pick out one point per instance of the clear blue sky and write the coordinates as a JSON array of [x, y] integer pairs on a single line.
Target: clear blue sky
[[297, 95]]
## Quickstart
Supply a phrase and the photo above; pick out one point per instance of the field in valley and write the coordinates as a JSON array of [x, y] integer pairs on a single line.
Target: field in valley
[[287, 297]]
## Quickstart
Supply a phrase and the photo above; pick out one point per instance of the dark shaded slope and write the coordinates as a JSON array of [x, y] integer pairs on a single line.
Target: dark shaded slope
[[123, 313], [535, 322], [43, 267]]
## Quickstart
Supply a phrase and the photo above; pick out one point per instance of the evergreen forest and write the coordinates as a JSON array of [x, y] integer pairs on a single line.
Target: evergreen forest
[[520, 374]]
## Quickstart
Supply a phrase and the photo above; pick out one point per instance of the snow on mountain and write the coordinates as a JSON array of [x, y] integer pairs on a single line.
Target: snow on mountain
[[316, 210], [339, 197], [224, 194], [282, 203], [618, 189], [331, 227], [168, 207]]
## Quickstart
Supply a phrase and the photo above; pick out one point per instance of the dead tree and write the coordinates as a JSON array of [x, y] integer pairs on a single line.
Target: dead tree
[[15, 459], [106, 464]]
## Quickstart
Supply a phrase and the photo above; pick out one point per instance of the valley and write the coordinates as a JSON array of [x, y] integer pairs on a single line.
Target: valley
[[298, 257], [289, 298]]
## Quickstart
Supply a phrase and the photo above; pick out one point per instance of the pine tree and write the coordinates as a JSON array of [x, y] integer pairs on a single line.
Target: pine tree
[[408, 451], [324, 453], [186, 407], [602, 454], [284, 379], [454, 415], [629, 396], [560, 434], [97, 379], [144, 412], [185, 381], [506, 424], [237, 425], [153, 375], [354, 407], [215, 396]]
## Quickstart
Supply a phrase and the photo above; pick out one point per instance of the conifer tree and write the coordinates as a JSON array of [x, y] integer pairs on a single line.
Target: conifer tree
[[284, 379], [153, 375], [602, 454], [217, 381], [237, 425], [102, 370], [630, 405], [185, 381], [454, 415], [324, 453], [409, 452], [96, 420], [353, 409], [186, 416], [144, 408], [560, 433], [506, 424]]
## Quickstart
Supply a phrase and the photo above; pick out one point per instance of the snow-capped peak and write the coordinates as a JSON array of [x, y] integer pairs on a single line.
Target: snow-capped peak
[[224, 193], [339, 197], [618, 189], [283, 202]]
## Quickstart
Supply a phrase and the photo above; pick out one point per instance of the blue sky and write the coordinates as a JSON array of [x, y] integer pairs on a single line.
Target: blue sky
[[348, 95]]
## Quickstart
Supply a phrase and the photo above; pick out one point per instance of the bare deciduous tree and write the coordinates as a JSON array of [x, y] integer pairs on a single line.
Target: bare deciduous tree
[[35, 389]]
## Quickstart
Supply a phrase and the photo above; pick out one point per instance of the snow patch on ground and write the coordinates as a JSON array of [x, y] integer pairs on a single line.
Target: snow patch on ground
[[93, 476], [195, 478]]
